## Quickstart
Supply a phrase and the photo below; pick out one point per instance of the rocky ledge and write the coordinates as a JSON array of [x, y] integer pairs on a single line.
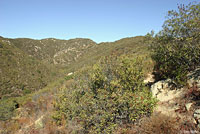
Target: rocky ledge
[[182, 103]]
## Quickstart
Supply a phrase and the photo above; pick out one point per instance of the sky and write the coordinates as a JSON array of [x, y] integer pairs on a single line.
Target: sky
[[99, 20]]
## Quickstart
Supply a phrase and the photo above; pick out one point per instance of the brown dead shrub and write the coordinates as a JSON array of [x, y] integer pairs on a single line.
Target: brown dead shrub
[[159, 124]]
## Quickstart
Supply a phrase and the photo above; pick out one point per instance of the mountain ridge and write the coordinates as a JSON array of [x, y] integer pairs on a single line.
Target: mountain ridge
[[52, 57]]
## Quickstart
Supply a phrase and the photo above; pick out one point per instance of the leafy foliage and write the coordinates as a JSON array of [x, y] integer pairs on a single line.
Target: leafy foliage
[[112, 94], [176, 49], [7, 107]]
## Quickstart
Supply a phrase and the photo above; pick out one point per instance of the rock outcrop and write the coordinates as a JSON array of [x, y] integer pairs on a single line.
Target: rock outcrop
[[182, 102]]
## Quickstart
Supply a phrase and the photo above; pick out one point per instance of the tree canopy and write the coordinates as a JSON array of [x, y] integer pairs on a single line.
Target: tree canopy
[[176, 48]]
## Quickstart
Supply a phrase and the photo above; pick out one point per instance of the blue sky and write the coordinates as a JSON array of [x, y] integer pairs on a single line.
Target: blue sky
[[99, 20]]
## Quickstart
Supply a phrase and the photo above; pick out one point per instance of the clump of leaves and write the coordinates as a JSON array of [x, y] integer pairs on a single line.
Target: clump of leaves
[[111, 94], [176, 48]]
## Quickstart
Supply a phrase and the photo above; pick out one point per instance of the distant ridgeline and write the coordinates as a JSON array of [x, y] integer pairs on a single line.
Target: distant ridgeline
[[28, 65]]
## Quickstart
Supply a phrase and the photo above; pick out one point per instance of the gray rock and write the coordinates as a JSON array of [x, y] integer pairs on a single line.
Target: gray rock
[[159, 86], [149, 79], [162, 90]]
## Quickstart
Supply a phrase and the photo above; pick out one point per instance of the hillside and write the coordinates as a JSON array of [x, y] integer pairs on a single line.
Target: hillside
[[25, 69], [33, 71], [138, 85], [28, 65], [132, 45], [54, 51], [73, 54], [21, 73]]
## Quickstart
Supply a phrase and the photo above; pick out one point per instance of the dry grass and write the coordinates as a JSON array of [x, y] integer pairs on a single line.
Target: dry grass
[[159, 124]]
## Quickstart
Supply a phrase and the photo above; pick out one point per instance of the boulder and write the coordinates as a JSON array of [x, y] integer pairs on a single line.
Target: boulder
[[159, 87], [149, 79], [162, 90]]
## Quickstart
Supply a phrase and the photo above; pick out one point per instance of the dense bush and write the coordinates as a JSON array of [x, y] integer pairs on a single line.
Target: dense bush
[[112, 94], [176, 49], [7, 107]]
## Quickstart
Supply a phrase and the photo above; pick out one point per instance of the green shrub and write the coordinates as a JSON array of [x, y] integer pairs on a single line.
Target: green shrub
[[7, 107], [110, 95], [26, 91], [69, 77], [176, 49]]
